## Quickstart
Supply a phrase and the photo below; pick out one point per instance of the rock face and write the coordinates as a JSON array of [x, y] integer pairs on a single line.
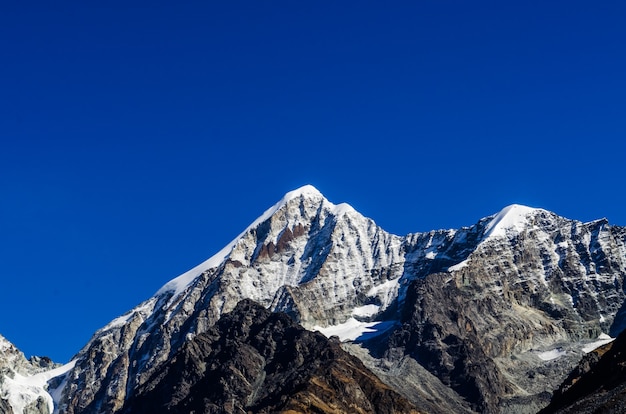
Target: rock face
[[490, 327], [287, 260], [596, 385], [253, 360], [488, 318], [17, 394]]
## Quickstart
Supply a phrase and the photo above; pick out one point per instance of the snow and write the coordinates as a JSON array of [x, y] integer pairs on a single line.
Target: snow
[[509, 219], [352, 329], [603, 339], [563, 245], [341, 209], [384, 288], [180, 283], [552, 354], [20, 391], [122, 320], [458, 266], [366, 311]]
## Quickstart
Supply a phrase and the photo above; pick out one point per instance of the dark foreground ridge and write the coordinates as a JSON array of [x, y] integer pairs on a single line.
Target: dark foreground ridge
[[256, 361], [597, 385]]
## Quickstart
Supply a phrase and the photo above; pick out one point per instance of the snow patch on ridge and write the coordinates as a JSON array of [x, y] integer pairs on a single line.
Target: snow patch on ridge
[[603, 339], [122, 320], [458, 266], [341, 209], [352, 329], [21, 391]]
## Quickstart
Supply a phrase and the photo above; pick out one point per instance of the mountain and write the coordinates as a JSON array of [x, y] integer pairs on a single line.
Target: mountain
[[503, 327], [487, 318], [24, 383]]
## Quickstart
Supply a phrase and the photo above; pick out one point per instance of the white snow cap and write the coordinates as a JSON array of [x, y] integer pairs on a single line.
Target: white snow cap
[[304, 190], [179, 284], [511, 219]]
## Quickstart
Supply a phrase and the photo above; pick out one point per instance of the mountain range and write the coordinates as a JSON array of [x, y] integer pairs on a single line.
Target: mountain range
[[315, 308]]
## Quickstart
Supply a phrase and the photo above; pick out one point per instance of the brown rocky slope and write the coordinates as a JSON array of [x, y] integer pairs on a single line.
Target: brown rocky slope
[[256, 361]]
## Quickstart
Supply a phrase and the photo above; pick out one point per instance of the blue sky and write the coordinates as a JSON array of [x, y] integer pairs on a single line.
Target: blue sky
[[139, 140]]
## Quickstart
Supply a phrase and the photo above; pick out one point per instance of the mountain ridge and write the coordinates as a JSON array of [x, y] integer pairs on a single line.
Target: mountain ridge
[[334, 270]]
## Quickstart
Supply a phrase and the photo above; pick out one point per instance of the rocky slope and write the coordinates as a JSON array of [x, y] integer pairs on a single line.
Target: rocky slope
[[596, 385], [23, 383], [505, 326], [287, 260], [253, 360], [488, 318]]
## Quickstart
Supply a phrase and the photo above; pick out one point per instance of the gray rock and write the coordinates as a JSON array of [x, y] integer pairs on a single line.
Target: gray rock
[[253, 360], [16, 399], [496, 314]]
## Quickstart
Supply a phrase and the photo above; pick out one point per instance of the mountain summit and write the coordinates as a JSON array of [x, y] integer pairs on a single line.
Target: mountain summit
[[487, 318]]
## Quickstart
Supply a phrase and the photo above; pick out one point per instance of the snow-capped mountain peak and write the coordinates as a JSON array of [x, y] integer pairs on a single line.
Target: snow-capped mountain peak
[[305, 190], [511, 219], [309, 192], [334, 270]]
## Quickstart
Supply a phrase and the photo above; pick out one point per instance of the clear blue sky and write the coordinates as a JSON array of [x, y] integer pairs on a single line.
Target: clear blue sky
[[139, 140]]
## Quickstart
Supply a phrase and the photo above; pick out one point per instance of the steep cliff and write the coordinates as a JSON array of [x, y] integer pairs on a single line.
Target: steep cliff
[[505, 326], [489, 317], [24, 387], [253, 360]]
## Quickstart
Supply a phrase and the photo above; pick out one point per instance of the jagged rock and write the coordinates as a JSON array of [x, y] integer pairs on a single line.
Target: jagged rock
[[483, 309], [597, 384], [253, 360], [287, 260], [483, 327], [16, 395]]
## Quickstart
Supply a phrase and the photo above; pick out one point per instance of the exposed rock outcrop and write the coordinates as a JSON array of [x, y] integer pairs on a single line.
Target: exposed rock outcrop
[[17, 394], [489, 327], [253, 360]]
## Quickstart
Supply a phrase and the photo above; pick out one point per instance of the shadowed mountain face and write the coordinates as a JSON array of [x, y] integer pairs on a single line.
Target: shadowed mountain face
[[253, 360]]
